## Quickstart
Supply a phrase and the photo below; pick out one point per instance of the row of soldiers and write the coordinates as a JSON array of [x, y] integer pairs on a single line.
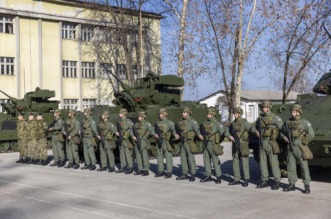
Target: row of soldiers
[[269, 128]]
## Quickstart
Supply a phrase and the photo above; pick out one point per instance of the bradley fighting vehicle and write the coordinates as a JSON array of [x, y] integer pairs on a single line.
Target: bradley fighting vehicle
[[317, 110], [35, 101]]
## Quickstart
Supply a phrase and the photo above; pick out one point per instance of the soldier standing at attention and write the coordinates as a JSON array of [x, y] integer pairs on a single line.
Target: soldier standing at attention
[[88, 132], [301, 133], [268, 126], [239, 131], [124, 131], [106, 134], [189, 129], [32, 138], [57, 140], [71, 133], [163, 147], [144, 129], [21, 135], [41, 140], [212, 132]]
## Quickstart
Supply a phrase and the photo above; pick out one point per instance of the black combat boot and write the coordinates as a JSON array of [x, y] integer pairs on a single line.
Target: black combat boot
[[36, 162], [76, 166], [93, 167], [120, 170], [182, 177], [129, 170], [234, 182], [307, 189], [25, 160], [61, 163], [245, 184], [218, 180], [19, 160], [168, 175], [54, 164], [145, 173], [30, 161], [39, 162], [86, 167], [139, 172], [111, 169], [102, 169], [206, 179], [291, 187], [70, 165], [276, 186], [43, 163], [263, 184], [159, 174], [192, 179]]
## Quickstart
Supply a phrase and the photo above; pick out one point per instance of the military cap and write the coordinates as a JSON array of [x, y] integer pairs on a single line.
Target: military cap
[[296, 107], [124, 111], [20, 114], [57, 111], [87, 110], [238, 110], [266, 104], [31, 114], [39, 114], [163, 111], [72, 111], [142, 114], [212, 111], [105, 113], [187, 109]]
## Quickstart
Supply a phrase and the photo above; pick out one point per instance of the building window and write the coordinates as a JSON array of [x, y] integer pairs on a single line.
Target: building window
[[105, 70], [88, 70], [6, 66], [69, 69], [121, 72], [68, 31], [6, 25], [134, 72], [1, 102], [69, 103], [86, 33], [89, 103]]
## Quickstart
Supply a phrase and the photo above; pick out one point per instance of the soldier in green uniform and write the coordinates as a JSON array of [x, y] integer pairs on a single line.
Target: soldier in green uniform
[[164, 148], [89, 132], [189, 129], [143, 129], [268, 126], [71, 132], [301, 133], [32, 138], [21, 136], [212, 132], [239, 131], [124, 131], [57, 140], [107, 146], [41, 149]]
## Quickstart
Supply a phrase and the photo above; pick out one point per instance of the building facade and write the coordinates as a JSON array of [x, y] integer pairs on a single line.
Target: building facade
[[49, 44]]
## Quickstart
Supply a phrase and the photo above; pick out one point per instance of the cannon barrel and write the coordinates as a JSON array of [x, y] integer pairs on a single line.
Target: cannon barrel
[[13, 99], [125, 87]]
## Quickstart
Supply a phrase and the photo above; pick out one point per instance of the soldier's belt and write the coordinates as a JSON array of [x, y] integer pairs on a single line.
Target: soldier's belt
[[87, 136]]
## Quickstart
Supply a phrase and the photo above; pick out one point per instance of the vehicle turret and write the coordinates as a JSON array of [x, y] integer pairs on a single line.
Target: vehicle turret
[[323, 86]]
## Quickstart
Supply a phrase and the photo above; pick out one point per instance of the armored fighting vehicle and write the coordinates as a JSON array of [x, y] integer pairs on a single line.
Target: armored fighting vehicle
[[316, 109], [34, 101]]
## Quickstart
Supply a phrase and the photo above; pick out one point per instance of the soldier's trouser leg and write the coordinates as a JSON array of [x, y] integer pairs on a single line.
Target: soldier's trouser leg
[[263, 165], [75, 155], [42, 149], [169, 161], [110, 153], [38, 149], [128, 156], [206, 162], [191, 160], [304, 170], [20, 148], [32, 145], [54, 148], [273, 159], [24, 147], [236, 166], [86, 153], [91, 152], [187, 159], [291, 168], [144, 155], [122, 157], [60, 151], [160, 155], [183, 159], [103, 156], [245, 163], [139, 158], [69, 152]]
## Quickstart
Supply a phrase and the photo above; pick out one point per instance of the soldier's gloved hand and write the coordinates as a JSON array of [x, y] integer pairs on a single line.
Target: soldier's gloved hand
[[99, 137], [232, 139], [177, 136], [118, 134], [134, 138], [286, 139], [258, 134], [69, 137], [156, 136], [201, 137]]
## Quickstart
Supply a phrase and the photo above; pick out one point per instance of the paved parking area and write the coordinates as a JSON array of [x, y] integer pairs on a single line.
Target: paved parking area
[[29, 191]]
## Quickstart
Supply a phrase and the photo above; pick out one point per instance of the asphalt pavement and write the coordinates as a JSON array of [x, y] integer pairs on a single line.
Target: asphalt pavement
[[29, 191]]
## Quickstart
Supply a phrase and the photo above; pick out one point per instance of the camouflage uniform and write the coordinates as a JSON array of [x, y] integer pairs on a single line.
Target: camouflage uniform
[[190, 129], [22, 139], [41, 150], [126, 146], [270, 124], [302, 133], [239, 130], [72, 131], [32, 129], [108, 130], [89, 143], [57, 141], [214, 132], [144, 129], [167, 129]]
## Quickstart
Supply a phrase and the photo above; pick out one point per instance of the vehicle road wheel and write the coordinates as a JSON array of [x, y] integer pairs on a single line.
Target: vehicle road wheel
[[4, 146]]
